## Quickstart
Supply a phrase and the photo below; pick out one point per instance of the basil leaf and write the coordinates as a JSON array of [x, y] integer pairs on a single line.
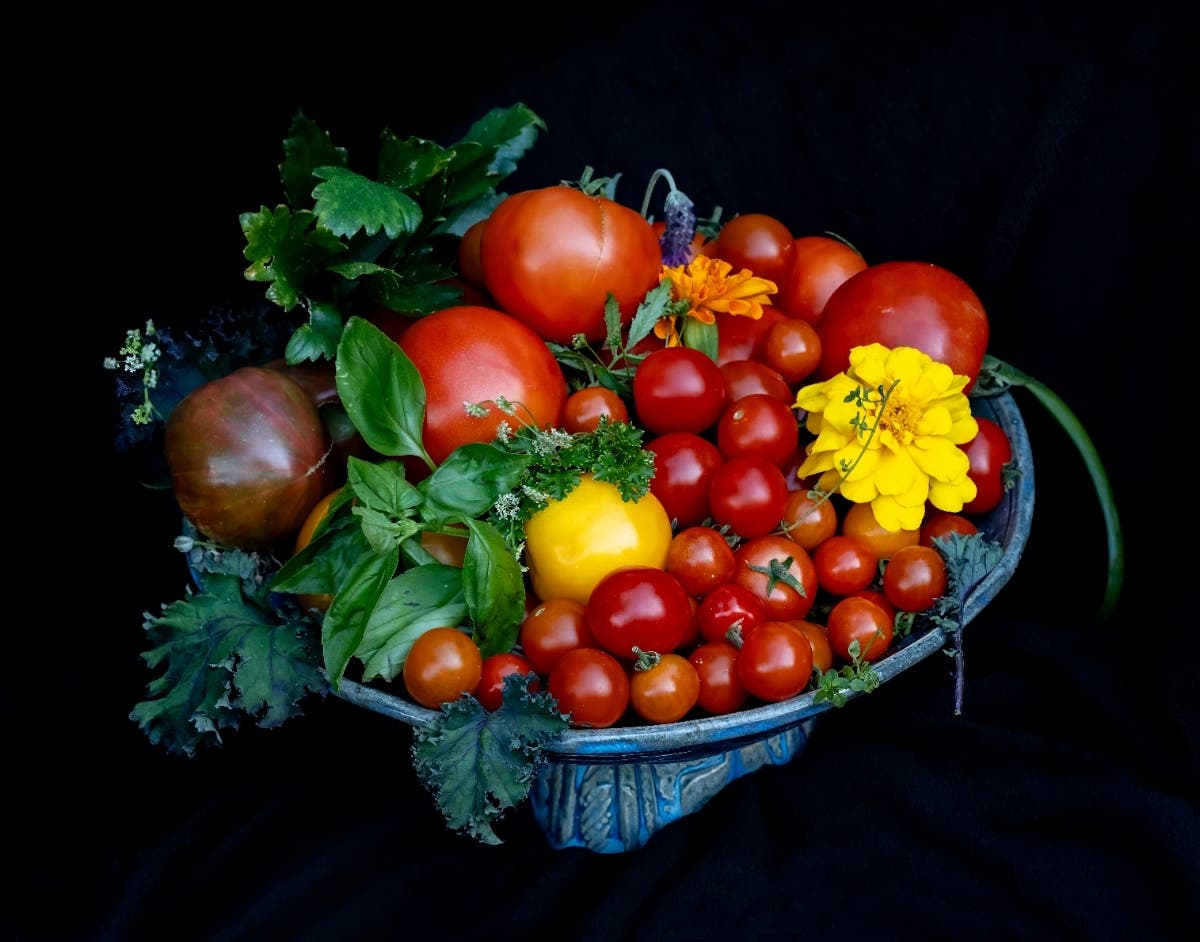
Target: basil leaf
[[494, 589], [352, 607], [469, 481], [425, 597]]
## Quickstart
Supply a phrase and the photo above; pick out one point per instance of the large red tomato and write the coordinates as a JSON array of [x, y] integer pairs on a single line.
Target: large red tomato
[[905, 304], [551, 257], [817, 267], [476, 354]]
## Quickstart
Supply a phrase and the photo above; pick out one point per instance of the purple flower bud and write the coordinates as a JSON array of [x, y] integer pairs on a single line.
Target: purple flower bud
[[677, 237]]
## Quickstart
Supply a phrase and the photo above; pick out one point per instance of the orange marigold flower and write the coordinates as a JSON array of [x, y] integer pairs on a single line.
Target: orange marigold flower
[[709, 288]]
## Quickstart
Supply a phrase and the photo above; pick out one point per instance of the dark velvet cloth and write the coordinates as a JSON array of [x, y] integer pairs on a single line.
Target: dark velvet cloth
[[1046, 155]]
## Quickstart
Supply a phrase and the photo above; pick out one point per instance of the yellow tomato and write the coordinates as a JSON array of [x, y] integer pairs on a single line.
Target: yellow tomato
[[304, 537], [859, 522], [574, 543]]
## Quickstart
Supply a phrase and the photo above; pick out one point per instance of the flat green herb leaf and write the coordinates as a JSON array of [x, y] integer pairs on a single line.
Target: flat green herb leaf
[[502, 137], [226, 659], [352, 607], [322, 565], [468, 482], [652, 308], [416, 600], [285, 249], [305, 148], [968, 560], [477, 764], [318, 339], [382, 486], [381, 390], [411, 162], [348, 203], [494, 588]]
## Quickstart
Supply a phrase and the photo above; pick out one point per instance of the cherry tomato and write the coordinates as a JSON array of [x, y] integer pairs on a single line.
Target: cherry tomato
[[844, 565], [639, 607], [678, 389], [818, 266], [684, 464], [470, 265], [793, 348], [905, 304], [585, 408], [490, 690], [663, 687], [449, 549], [818, 640], [780, 572], [442, 665], [551, 629], [743, 338], [721, 689], [759, 424], [551, 256], [477, 354], [744, 377], [915, 576], [775, 662], [728, 606], [747, 494], [855, 619], [701, 559], [938, 523], [808, 519], [988, 452], [859, 522], [755, 241], [876, 596], [591, 686]]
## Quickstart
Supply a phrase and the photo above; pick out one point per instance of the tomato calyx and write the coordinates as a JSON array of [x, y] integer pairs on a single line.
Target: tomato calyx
[[778, 571], [645, 660]]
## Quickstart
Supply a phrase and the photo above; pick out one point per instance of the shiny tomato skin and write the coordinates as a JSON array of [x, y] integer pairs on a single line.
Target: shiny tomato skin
[[585, 408], [639, 607], [551, 256], [905, 304], [914, 578], [701, 559], [730, 606], [684, 464], [792, 347], [592, 686], [746, 377], [858, 619], [551, 629], [859, 522], [470, 264], [442, 664], [666, 690], [775, 662], [844, 565], [755, 241], [678, 389], [758, 424], [474, 354], [744, 338], [818, 640], [782, 599], [809, 520], [496, 667], [939, 523], [817, 267], [988, 452], [721, 689], [747, 493]]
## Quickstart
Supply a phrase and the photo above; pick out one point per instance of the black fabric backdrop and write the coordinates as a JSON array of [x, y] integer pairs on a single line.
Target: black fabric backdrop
[[1048, 158]]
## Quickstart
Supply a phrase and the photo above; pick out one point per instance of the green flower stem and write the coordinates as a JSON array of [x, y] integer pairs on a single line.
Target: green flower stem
[[1008, 375]]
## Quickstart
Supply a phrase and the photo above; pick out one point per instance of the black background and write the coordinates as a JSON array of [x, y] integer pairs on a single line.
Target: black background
[[1046, 157]]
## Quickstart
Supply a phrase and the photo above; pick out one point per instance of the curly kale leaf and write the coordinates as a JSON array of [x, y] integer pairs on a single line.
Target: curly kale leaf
[[477, 764], [226, 659]]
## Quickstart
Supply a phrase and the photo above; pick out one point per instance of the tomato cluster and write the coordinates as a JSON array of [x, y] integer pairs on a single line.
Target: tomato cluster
[[741, 585]]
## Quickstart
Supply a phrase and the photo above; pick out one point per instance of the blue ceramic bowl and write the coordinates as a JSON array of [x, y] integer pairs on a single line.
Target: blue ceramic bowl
[[609, 790]]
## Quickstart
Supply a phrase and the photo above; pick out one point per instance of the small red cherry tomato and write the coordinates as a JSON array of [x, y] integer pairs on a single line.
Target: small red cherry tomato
[[490, 692], [858, 621], [914, 578], [721, 690], [729, 606], [747, 494], [759, 424], [591, 686], [701, 559], [551, 629], [585, 408], [442, 664], [663, 688], [988, 452], [639, 607], [775, 662], [678, 389], [844, 565]]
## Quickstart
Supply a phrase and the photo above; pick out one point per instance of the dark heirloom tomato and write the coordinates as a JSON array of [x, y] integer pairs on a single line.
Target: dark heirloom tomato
[[248, 457], [551, 257], [905, 304], [477, 354]]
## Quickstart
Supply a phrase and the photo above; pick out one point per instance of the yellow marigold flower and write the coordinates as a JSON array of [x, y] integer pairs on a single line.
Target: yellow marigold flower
[[709, 287], [887, 432]]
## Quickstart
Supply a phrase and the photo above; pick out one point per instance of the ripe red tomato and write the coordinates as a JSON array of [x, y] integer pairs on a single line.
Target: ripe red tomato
[[721, 689], [755, 241], [938, 523], [639, 607], [859, 522], [818, 266], [759, 424], [988, 452], [551, 629], [476, 354], [856, 619], [684, 464], [470, 264], [747, 494], [665, 689], [743, 338], [551, 256], [818, 640], [915, 576], [775, 662], [844, 565], [731, 605], [905, 304], [701, 559], [745, 377], [585, 408], [792, 347], [678, 389], [591, 686], [442, 665], [809, 520], [780, 572], [490, 690]]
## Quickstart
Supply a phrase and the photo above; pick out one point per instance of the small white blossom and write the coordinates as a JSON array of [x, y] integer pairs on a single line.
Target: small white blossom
[[133, 363], [504, 432], [150, 353], [110, 363], [475, 409], [507, 506], [151, 378]]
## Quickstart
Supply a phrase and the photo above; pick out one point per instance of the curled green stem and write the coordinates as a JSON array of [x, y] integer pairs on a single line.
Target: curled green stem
[[1004, 375]]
